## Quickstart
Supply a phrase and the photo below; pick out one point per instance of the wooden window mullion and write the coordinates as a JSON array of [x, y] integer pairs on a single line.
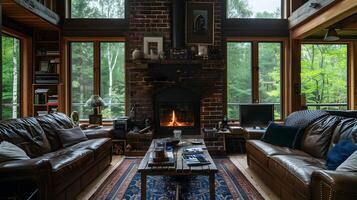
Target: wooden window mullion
[[96, 69], [255, 73]]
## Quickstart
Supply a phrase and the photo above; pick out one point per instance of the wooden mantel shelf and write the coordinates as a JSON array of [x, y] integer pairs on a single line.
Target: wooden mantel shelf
[[31, 13], [143, 64]]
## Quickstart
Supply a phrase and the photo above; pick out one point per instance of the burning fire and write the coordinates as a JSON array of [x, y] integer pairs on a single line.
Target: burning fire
[[174, 121]]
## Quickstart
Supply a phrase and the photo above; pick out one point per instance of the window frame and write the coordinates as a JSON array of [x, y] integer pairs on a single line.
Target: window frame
[[350, 76], [283, 8], [69, 12], [96, 69], [255, 70], [25, 63]]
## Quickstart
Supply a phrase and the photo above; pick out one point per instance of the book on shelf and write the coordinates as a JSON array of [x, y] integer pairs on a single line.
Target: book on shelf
[[47, 79], [41, 90], [52, 103], [42, 112]]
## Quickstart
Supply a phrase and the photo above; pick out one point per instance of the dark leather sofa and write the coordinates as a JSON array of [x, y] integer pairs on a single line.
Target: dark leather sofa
[[301, 173], [58, 173]]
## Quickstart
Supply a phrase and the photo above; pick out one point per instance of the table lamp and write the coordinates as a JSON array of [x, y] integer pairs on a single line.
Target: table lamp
[[95, 102]]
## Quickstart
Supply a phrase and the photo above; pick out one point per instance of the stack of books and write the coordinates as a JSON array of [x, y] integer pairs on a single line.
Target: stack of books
[[52, 100], [168, 161], [40, 96]]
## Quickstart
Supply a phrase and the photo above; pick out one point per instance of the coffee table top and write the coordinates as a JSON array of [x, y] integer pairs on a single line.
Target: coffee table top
[[180, 167]]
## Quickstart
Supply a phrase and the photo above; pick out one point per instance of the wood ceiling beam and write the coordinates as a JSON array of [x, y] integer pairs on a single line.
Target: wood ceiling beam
[[341, 10]]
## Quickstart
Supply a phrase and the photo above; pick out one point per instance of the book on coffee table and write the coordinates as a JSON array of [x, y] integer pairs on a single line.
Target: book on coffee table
[[195, 159], [168, 161]]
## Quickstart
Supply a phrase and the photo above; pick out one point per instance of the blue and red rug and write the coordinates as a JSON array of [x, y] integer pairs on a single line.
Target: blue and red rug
[[124, 183]]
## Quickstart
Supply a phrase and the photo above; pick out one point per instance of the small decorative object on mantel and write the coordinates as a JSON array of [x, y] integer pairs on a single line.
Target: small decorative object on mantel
[[203, 51], [153, 46], [178, 54], [199, 23], [95, 102], [137, 54]]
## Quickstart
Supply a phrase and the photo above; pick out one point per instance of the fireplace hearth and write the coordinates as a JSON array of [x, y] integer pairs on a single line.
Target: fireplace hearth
[[176, 108]]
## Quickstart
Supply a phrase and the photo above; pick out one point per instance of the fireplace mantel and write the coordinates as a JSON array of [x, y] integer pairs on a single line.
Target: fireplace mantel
[[145, 64]]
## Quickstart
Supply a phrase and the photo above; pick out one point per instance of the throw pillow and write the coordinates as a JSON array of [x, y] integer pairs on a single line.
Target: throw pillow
[[71, 136], [9, 151], [350, 164], [339, 153], [281, 135]]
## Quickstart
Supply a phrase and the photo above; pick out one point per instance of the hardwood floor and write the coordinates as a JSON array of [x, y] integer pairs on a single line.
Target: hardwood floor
[[239, 160]]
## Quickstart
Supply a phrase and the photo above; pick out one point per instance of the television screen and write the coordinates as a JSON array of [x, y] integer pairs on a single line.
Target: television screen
[[256, 115]]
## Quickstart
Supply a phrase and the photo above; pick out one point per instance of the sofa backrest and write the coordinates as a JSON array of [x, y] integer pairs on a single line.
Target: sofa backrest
[[27, 134], [317, 136], [50, 123], [345, 130]]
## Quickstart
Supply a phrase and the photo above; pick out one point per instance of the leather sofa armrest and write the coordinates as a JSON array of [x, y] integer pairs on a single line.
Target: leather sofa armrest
[[328, 184], [37, 170], [23, 167]]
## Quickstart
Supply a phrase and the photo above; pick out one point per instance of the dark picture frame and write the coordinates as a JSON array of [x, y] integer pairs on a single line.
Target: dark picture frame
[[199, 23]]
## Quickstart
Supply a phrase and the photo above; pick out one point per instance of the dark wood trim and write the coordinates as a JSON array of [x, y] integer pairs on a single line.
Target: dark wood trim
[[95, 27], [295, 81], [16, 26], [331, 15], [305, 12], [353, 60], [1, 18], [255, 72], [255, 28]]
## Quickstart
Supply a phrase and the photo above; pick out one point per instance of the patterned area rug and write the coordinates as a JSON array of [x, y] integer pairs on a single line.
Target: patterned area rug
[[124, 183]]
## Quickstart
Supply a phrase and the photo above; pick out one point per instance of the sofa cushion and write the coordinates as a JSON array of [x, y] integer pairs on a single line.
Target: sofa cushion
[[339, 153], [50, 123], [71, 136], [350, 164], [295, 170], [281, 135], [10, 151], [261, 151], [67, 164], [100, 146], [27, 134], [317, 136]]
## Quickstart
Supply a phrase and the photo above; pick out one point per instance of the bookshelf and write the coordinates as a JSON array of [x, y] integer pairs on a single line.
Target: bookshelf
[[46, 84]]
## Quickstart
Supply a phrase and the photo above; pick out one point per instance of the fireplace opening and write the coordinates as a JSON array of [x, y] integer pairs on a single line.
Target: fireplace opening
[[177, 108]]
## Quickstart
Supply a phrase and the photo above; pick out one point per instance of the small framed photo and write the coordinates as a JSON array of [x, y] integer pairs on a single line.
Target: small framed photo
[[199, 23], [152, 45], [44, 66]]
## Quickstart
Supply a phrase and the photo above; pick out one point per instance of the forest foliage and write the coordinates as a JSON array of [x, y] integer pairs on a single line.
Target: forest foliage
[[10, 77]]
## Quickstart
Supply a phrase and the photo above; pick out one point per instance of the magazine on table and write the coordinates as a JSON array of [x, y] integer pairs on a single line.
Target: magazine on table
[[193, 150], [196, 159]]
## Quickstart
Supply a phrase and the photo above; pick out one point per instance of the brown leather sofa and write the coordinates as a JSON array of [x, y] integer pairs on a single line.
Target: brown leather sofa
[[58, 173], [301, 173]]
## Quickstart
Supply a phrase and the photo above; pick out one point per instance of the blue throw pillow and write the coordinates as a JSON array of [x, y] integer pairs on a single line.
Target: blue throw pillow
[[281, 135], [339, 153]]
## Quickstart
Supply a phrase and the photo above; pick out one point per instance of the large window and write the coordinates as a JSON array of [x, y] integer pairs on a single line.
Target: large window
[[268, 9], [98, 9], [239, 76], [11, 81], [112, 85], [106, 77], [324, 76], [248, 84], [82, 65]]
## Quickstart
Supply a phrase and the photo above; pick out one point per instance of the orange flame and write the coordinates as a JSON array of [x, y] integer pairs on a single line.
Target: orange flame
[[174, 121]]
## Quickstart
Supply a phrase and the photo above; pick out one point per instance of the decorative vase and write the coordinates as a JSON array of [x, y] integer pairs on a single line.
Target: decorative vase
[[137, 54]]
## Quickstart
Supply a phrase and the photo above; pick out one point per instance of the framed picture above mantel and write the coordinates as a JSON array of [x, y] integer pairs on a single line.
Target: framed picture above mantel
[[199, 23]]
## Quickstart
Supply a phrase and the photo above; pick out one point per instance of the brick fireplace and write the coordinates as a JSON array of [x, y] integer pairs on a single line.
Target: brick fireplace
[[203, 77]]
